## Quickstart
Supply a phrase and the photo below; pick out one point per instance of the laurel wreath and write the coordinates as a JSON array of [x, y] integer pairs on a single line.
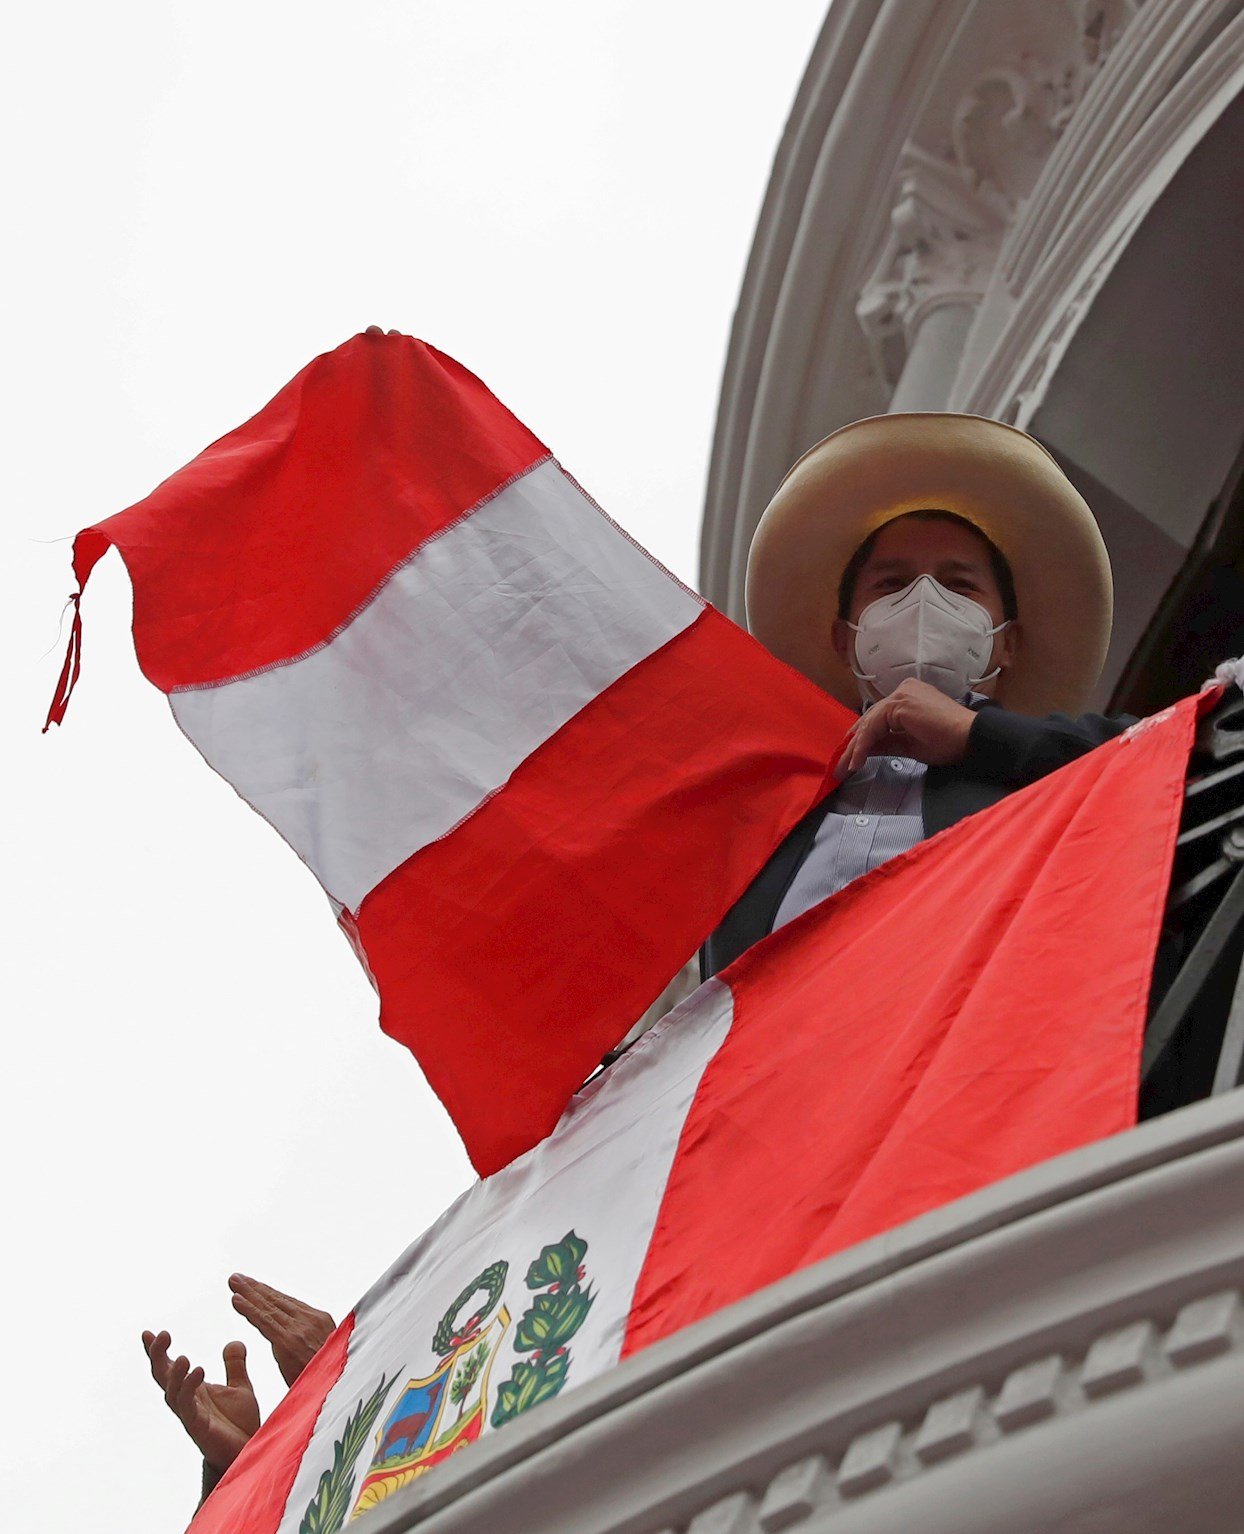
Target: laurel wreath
[[492, 1283], [559, 1308], [545, 1330], [326, 1513]]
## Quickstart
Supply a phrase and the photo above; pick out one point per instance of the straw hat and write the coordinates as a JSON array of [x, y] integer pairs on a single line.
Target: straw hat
[[1000, 479]]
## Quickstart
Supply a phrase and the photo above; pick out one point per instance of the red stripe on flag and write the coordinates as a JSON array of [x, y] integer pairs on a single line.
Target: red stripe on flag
[[514, 952], [256, 1487], [970, 1008], [267, 542]]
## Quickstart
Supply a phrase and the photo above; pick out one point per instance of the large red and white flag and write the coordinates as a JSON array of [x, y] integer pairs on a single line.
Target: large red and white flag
[[970, 1008], [529, 767]]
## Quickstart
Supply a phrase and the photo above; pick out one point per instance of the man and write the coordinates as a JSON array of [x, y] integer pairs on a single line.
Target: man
[[941, 574]]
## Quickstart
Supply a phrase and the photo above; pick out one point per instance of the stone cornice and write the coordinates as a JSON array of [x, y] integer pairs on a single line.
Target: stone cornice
[[1068, 1337]]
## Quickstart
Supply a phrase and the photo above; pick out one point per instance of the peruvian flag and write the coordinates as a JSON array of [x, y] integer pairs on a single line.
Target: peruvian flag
[[530, 768], [970, 1008]]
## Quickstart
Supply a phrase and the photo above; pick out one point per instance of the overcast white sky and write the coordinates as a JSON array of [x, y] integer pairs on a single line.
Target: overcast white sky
[[201, 197]]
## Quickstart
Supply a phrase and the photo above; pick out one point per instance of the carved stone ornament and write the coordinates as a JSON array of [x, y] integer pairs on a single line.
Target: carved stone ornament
[[940, 247], [1005, 126], [951, 211], [1009, 119]]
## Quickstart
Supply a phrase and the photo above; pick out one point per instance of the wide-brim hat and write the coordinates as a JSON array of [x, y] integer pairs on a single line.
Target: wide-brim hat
[[998, 477]]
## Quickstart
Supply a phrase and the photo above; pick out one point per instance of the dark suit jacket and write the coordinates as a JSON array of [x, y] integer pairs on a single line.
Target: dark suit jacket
[[1005, 751]]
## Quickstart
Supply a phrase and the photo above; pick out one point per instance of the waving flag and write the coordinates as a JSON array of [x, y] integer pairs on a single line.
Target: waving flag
[[970, 1008], [530, 769]]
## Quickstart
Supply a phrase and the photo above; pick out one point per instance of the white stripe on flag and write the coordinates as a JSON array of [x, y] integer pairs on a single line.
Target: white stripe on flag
[[602, 1174], [482, 645]]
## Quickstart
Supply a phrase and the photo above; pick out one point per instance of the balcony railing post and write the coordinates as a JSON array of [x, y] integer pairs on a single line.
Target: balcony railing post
[[1194, 1042]]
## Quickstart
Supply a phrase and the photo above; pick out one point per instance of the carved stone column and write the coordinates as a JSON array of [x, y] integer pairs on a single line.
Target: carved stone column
[[917, 306]]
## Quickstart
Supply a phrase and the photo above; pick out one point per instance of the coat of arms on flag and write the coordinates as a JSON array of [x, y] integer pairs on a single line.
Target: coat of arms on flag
[[436, 1414]]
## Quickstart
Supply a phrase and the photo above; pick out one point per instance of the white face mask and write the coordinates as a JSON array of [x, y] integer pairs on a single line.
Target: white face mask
[[925, 632]]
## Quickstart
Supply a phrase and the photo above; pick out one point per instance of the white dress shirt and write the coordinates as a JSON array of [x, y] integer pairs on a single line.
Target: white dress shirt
[[874, 815]]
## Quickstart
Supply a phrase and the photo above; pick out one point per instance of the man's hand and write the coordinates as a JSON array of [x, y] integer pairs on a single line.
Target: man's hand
[[219, 1418], [915, 720], [295, 1331]]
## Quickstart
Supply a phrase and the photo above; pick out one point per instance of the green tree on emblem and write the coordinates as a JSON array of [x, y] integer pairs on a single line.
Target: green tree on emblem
[[468, 1372], [545, 1330]]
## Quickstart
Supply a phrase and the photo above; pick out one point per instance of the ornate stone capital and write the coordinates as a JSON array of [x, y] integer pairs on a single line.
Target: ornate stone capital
[[940, 248]]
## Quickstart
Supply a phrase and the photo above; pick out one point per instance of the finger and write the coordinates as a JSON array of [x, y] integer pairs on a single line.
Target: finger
[[873, 725], [861, 749], [262, 1305], [186, 1403], [881, 726], [177, 1372], [900, 716], [842, 767], [251, 1302], [235, 1365], [264, 1294], [157, 1354], [266, 1321]]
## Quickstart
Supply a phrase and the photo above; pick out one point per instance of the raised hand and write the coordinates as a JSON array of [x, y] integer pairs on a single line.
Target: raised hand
[[220, 1419], [915, 720], [296, 1331]]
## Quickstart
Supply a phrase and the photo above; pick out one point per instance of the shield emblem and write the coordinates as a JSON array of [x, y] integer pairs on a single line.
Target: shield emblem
[[434, 1417]]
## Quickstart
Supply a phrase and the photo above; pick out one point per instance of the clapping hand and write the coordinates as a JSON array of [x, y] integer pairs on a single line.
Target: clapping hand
[[296, 1331], [219, 1418]]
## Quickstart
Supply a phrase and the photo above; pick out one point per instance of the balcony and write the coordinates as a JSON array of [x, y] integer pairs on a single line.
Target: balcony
[[1061, 1351]]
